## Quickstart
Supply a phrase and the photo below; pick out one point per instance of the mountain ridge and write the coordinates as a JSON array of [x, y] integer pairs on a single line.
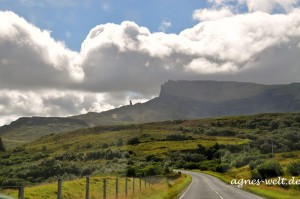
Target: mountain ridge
[[177, 100]]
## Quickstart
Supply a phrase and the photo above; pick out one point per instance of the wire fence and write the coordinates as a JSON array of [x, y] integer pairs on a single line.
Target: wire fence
[[117, 187]]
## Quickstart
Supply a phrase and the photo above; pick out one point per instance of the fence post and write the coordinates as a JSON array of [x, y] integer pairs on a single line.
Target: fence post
[[126, 186], [145, 181], [59, 189], [132, 185], [140, 183], [104, 188], [117, 188], [21, 192], [87, 187]]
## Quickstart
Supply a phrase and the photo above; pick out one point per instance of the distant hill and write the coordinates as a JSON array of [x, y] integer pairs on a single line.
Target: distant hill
[[177, 100], [201, 99], [26, 129]]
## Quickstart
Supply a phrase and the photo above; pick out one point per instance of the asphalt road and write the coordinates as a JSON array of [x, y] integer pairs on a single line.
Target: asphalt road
[[205, 186]]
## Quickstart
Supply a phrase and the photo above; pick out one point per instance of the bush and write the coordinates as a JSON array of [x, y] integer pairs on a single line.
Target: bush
[[133, 141], [222, 168], [294, 168], [191, 165], [151, 170], [153, 158], [130, 171], [269, 169], [178, 137], [2, 148], [119, 142], [104, 146]]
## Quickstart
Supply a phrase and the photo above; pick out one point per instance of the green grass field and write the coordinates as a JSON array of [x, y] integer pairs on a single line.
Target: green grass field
[[224, 147], [154, 188]]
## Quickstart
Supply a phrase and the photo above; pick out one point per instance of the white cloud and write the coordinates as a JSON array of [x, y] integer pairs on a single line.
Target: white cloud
[[40, 76], [32, 57], [14, 104], [269, 5], [211, 14], [164, 25], [203, 66], [260, 5]]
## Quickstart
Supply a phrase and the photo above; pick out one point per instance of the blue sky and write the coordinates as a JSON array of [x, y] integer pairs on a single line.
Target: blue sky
[[61, 58], [70, 21]]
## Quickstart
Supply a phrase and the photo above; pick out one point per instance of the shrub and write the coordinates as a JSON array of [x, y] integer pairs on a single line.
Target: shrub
[[294, 168], [178, 137], [133, 141], [153, 158], [119, 142], [130, 171], [269, 169], [191, 165], [222, 168], [104, 145]]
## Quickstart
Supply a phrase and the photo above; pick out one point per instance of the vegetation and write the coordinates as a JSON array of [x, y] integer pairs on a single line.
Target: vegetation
[[294, 168], [2, 148], [159, 188], [236, 147]]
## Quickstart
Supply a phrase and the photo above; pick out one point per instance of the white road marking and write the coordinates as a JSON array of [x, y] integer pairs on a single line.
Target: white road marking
[[211, 187], [187, 188]]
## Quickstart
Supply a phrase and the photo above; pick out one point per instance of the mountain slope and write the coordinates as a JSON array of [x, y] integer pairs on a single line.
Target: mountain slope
[[177, 100], [29, 128], [200, 99]]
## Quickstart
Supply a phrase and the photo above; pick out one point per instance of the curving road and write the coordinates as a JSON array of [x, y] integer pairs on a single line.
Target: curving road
[[204, 186]]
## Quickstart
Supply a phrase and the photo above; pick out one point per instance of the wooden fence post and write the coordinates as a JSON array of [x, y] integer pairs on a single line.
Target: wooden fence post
[[132, 185], [140, 183], [126, 187], [21, 192], [117, 188], [87, 187], [104, 188], [59, 189]]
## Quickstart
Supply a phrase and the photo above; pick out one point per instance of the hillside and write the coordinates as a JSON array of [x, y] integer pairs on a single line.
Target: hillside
[[203, 99], [27, 129], [225, 144], [177, 100]]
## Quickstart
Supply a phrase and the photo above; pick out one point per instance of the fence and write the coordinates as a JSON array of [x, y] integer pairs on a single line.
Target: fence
[[137, 185], [21, 190]]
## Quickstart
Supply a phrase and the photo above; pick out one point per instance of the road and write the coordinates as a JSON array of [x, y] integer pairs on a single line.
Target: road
[[204, 186]]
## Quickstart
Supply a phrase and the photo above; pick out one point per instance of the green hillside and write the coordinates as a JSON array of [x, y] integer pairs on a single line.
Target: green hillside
[[27, 129], [178, 100], [234, 146]]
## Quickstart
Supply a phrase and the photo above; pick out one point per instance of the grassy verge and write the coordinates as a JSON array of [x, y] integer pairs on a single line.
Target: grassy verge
[[273, 192], [160, 188]]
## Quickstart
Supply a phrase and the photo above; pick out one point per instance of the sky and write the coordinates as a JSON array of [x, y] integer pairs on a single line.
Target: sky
[[62, 58]]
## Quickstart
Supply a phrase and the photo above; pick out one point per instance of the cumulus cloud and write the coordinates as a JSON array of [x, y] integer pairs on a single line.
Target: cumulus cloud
[[269, 5], [30, 57], [211, 14], [14, 104], [118, 62], [259, 5]]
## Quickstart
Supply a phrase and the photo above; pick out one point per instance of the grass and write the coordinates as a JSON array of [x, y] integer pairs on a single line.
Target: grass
[[62, 143], [154, 153], [160, 188], [273, 192]]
